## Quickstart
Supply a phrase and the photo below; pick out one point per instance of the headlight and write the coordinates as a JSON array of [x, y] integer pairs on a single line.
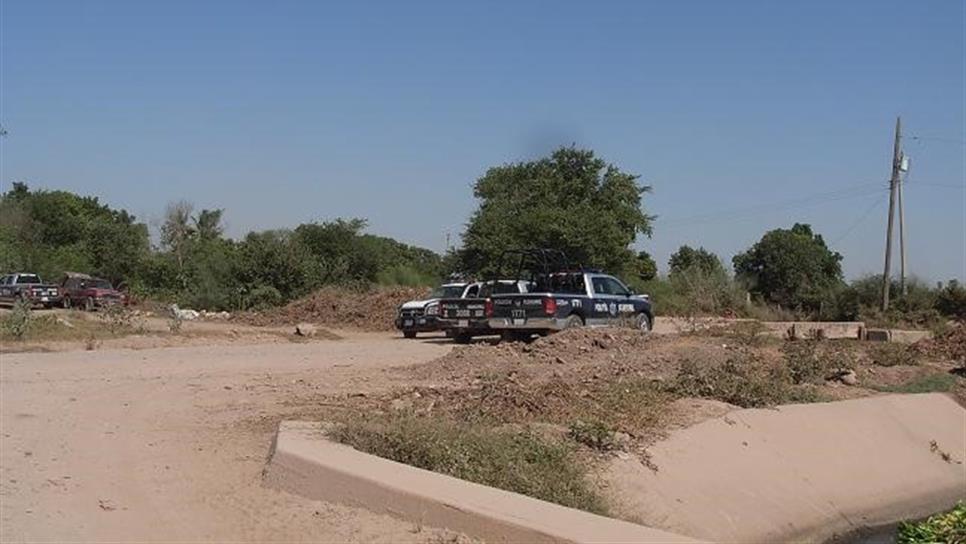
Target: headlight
[[432, 309]]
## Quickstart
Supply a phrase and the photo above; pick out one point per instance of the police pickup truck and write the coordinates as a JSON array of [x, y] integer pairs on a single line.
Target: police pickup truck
[[464, 318], [418, 316], [561, 300]]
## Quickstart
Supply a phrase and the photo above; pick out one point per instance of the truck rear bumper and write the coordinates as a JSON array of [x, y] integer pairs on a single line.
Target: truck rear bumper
[[532, 324], [475, 326]]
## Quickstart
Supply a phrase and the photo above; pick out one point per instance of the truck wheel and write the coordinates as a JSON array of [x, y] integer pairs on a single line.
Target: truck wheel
[[573, 321], [409, 334], [642, 323], [462, 338], [65, 303], [89, 304]]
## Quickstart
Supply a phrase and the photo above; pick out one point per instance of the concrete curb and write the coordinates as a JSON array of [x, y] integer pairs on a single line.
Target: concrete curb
[[305, 462]]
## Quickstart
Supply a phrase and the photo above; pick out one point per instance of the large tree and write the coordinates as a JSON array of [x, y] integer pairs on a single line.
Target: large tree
[[791, 267], [571, 200]]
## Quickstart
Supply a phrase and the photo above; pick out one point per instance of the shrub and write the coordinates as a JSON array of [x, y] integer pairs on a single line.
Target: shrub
[[892, 354], [593, 434], [17, 322], [514, 460], [744, 380], [812, 361], [951, 300], [262, 297]]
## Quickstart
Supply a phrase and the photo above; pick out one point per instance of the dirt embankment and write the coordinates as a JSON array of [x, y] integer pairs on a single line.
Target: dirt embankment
[[373, 310]]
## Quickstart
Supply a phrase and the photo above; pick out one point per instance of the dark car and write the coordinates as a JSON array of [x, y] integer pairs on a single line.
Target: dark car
[[83, 291], [29, 288]]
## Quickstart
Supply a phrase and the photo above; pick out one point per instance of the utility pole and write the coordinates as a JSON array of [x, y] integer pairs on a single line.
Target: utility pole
[[893, 183], [903, 167]]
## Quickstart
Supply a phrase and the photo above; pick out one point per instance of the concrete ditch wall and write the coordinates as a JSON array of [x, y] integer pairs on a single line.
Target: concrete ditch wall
[[303, 461], [802, 472]]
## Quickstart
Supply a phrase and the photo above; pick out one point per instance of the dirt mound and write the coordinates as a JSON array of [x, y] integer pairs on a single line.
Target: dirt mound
[[577, 354], [950, 344], [373, 310]]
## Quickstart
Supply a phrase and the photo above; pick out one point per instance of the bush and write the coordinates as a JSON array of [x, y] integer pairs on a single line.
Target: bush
[[744, 380], [951, 300], [263, 297], [812, 361], [17, 322], [514, 460], [892, 354], [593, 434]]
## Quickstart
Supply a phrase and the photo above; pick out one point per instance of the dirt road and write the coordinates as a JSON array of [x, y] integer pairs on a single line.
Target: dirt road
[[169, 444]]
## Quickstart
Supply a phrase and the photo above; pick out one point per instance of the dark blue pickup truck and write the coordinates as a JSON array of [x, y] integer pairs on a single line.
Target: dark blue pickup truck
[[562, 300]]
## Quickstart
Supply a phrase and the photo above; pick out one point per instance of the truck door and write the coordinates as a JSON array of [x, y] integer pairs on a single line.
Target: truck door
[[611, 300]]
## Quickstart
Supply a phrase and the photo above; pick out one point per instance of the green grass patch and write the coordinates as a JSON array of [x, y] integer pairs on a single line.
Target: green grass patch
[[939, 382], [515, 460], [949, 527], [744, 380]]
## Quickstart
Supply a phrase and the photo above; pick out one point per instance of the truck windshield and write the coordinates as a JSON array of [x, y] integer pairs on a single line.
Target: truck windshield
[[28, 278], [99, 284], [448, 291]]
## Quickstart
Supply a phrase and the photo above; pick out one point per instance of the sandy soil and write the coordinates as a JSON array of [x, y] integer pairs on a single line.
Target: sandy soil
[[169, 444]]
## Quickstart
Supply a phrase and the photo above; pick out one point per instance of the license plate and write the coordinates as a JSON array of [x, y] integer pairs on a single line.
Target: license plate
[[463, 323], [407, 323], [518, 321], [44, 299]]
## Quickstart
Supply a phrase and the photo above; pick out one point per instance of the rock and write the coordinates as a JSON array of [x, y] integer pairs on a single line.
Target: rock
[[400, 404], [559, 360], [848, 377], [306, 329], [65, 323]]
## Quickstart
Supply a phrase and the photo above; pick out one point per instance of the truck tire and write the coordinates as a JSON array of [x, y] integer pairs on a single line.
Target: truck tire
[[462, 338], [65, 303], [642, 323], [573, 321], [89, 304], [409, 334], [515, 336]]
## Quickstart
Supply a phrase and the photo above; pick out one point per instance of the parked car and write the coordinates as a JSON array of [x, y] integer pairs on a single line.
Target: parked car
[[464, 318], [418, 316], [562, 298], [29, 288], [83, 291]]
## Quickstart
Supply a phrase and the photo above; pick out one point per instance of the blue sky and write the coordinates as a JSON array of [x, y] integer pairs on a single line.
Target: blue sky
[[743, 116]]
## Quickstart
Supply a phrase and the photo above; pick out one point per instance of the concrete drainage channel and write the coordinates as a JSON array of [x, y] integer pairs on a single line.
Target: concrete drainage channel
[[802, 472]]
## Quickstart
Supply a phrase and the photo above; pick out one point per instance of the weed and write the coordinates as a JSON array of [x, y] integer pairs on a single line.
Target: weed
[[518, 461], [947, 527], [812, 361], [892, 354], [593, 434], [17, 322], [939, 382], [117, 318], [744, 380], [174, 324], [91, 342]]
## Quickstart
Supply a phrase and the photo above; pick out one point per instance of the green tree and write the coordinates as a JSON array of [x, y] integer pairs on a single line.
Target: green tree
[[688, 258], [176, 233], [791, 267], [571, 201], [951, 300], [208, 225], [645, 266]]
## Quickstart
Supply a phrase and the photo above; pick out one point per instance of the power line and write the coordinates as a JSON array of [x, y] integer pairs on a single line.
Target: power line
[[859, 220], [936, 139], [811, 200]]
